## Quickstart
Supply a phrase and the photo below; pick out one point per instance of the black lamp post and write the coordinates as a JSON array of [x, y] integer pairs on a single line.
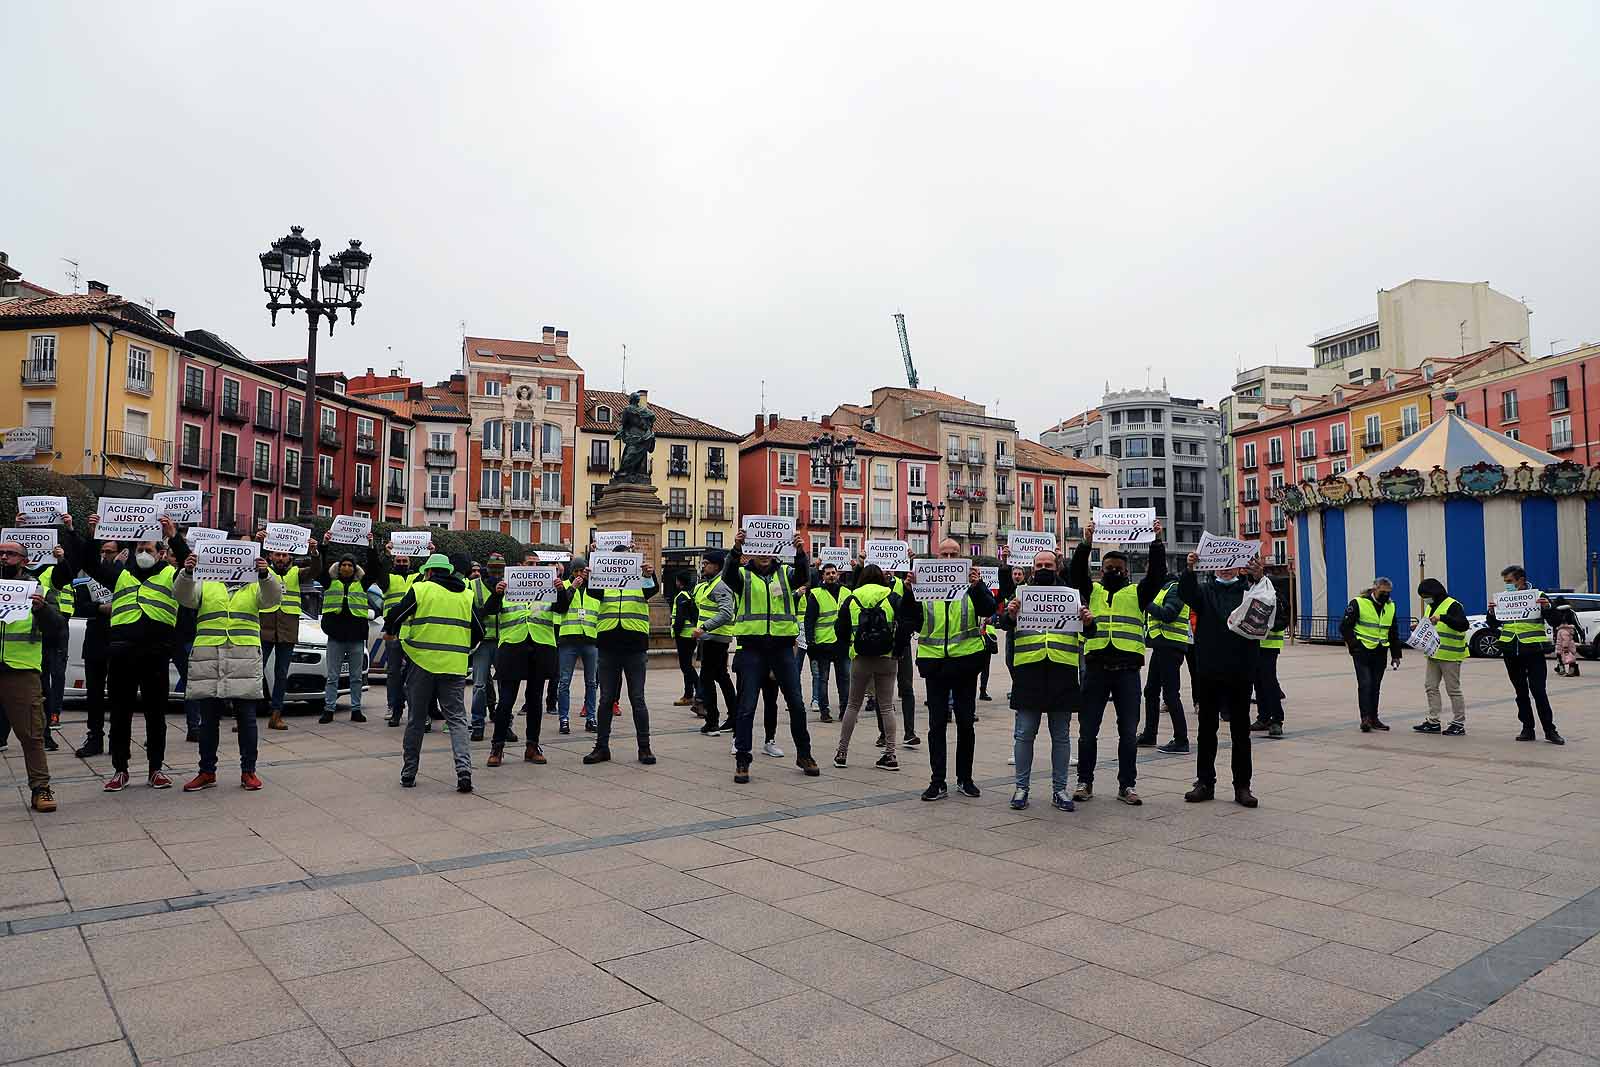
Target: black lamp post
[[929, 515], [293, 262], [832, 454]]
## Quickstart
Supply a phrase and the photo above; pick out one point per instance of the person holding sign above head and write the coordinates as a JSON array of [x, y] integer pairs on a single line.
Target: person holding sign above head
[[1224, 668], [525, 652], [344, 621], [949, 658], [1114, 656], [1044, 685], [1368, 626], [21, 660], [280, 626], [873, 626], [684, 614], [483, 656], [715, 612], [766, 626], [575, 643], [225, 664], [437, 625], [393, 575], [144, 619], [1167, 635], [622, 638], [94, 606], [1449, 621], [827, 653], [1522, 646]]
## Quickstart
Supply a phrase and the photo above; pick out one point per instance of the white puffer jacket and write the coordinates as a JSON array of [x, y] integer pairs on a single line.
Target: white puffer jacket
[[228, 672]]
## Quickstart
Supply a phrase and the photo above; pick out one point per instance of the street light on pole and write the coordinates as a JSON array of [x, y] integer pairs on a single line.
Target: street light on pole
[[295, 261], [928, 515], [832, 454]]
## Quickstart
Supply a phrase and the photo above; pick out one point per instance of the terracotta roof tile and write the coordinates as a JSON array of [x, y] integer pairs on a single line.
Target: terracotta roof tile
[[505, 350], [669, 423], [71, 304], [1033, 456], [797, 433]]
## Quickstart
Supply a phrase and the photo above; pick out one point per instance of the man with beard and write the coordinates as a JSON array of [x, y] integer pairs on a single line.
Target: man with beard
[[144, 618], [280, 626], [483, 657], [21, 658], [344, 621], [392, 574], [438, 626]]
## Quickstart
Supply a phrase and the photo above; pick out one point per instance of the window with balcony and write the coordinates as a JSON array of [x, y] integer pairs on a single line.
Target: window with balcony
[[1559, 400], [40, 367], [1136, 447], [851, 511], [1274, 450], [262, 468], [190, 452], [819, 474], [678, 503], [550, 442], [522, 487], [915, 472], [1094, 497], [714, 506], [493, 436], [1336, 438], [787, 505], [1136, 477], [291, 467], [1308, 443], [850, 476], [489, 484], [1410, 422], [1308, 472], [1509, 408], [549, 488], [438, 487], [324, 470], [364, 482], [232, 406], [1249, 455], [366, 435], [291, 416], [716, 462], [600, 454], [226, 501], [194, 389], [788, 467], [550, 531], [678, 461], [1561, 433], [522, 438], [228, 454], [819, 511], [396, 491], [1374, 434], [880, 476], [140, 371]]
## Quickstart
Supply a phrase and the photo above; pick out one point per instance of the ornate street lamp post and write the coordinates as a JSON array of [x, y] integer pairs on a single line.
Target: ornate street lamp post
[[928, 515], [832, 454]]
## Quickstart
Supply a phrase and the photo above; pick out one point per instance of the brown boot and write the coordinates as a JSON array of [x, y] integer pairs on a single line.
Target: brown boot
[[276, 722], [496, 756], [534, 754]]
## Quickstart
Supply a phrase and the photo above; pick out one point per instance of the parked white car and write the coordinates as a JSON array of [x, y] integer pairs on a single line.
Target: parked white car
[[1482, 643]]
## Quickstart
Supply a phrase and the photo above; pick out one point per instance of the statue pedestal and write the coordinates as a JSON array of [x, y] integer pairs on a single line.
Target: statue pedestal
[[638, 508]]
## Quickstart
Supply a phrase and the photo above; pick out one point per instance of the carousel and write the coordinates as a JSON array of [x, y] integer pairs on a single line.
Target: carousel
[[1455, 501]]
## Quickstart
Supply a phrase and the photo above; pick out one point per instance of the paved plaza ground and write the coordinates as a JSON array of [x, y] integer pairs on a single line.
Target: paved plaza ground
[[1396, 895]]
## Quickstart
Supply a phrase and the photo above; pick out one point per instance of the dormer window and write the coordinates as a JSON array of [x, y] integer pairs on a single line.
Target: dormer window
[[602, 414], [1388, 383]]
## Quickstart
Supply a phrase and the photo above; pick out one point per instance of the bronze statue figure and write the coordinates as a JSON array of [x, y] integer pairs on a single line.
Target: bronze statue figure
[[636, 431]]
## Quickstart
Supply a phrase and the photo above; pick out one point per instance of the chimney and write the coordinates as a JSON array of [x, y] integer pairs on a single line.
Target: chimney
[[549, 335], [827, 423], [759, 425], [772, 424], [561, 342], [369, 375], [99, 287], [168, 316]]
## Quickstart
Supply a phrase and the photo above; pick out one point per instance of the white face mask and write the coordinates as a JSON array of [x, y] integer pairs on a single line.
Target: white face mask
[[146, 559]]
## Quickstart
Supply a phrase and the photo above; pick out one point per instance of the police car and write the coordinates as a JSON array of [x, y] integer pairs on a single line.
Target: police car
[[1480, 642]]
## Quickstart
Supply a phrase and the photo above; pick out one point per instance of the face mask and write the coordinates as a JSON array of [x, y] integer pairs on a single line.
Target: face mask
[[402, 568], [146, 559], [1381, 598], [1044, 577], [1220, 580], [1511, 587], [1113, 581], [34, 568]]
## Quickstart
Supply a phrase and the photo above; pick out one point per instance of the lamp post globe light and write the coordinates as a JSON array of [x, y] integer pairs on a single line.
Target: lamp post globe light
[[930, 516], [832, 454], [295, 279]]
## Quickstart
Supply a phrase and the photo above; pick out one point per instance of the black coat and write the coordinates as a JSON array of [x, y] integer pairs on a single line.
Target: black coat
[[1218, 651]]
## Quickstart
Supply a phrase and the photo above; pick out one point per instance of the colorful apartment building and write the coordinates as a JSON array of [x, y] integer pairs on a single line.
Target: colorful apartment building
[[1056, 493]]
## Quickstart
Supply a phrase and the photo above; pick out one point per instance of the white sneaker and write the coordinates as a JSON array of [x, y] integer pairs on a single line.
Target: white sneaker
[[813, 704], [733, 749], [771, 748], [1011, 761]]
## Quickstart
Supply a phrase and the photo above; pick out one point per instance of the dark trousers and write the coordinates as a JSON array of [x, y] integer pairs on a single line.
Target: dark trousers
[[1528, 671], [769, 707], [713, 676], [752, 665], [686, 665], [55, 681], [1122, 689], [528, 664], [1269, 697], [1214, 697], [1371, 663], [281, 654], [395, 668], [615, 667], [212, 711], [908, 693], [139, 682], [962, 687], [1162, 683], [95, 672], [983, 674]]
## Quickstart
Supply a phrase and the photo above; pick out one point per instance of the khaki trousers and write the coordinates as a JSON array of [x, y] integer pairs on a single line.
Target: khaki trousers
[[23, 699], [880, 673], [1448, 672]]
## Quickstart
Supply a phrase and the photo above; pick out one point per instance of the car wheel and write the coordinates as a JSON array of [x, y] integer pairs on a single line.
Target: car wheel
[[1484, 645], [1591, 651]]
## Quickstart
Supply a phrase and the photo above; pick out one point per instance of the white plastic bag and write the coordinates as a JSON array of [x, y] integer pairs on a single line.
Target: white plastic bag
[[1253, 617]]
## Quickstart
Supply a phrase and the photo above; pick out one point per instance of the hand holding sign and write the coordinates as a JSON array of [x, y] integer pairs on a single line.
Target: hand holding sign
[[766, 535], [226, 561], [126, 519], [17, 600], [1517, 605], [1023, 545], [1224, 553], [1123, 526], [39, 543], [1424, 637], [529, 585], [613, 540], [410, 542], [889, 556], [287, 537], [350, 530], [941, 579], [41, 510], [1049, 609], [616, 570], [180, 505]]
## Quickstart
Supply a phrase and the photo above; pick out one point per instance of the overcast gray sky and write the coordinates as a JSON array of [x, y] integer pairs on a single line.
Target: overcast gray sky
[[1054, 194]]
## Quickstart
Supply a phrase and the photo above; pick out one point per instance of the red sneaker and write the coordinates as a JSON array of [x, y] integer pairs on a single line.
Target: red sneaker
[[117, 782], [203, 780], [159, 781], [248, 780]]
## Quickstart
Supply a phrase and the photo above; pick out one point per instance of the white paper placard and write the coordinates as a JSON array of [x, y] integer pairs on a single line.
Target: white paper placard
[[287, 537], [15, 604], [410, 542], [226, 561], [768, 535], [552, 556], [1049, 608], [127, 519], [182, 506], [197, 535], [941, 579], [1518, 605], [989, 576], [837, 557], [1424, 637], [1124, 526], [349, 530], [889, 556], [616, 570], [530, 585], [613, 540], [41, 510], [1224, 553], [97, 592], [1023, 545], [40, 542]]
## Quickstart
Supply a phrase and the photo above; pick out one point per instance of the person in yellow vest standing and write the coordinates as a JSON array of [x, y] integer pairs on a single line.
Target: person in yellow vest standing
[[622, 635], [393, 576], [280, 626], [437, 624], [344, 621], [1167, 636], [1044, 685], [575, 643], [827, 654], [525, 639], [1224, 670], [1449, 618], [950, 653], [483, 657], [1522, 647], [714, 618], [872, 625], [144, 619], [225, 664], [684, 618], [1367, 627], [21, 659]]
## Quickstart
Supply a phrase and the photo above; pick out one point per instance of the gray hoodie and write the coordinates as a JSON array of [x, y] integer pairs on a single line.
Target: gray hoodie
[[722, 597]]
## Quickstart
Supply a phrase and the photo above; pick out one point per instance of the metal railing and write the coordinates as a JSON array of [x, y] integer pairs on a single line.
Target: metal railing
[[439, 457], [679, 511], [599, 463], [1560, 442], [366, 445], [440, 503], [38, 372], [142, 384], [291, 427], [716, 514], [491, 500], [196, 400], [265, 473], [1005, 462], [976, 457], [266, 419], [233, 411], [328, 487], [139, 447], [195, 459], [330, 437], [677, 468], [47, 438], [364, 495], [716, 473]]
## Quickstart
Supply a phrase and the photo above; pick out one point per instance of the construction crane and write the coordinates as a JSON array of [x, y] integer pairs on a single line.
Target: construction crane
[[905, 349]]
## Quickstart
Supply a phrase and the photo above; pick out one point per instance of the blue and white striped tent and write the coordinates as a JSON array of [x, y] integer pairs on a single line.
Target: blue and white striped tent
[[1465, 539]]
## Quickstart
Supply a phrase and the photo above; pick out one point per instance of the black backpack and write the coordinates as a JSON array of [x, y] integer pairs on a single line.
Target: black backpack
[[874, 633]]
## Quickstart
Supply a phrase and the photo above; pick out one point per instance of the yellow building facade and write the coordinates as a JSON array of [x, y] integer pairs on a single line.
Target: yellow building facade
[[1398, 405]]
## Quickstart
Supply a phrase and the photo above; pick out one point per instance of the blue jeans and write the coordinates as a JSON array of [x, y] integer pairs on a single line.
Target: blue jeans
[[211, 712], [751, 666], [569, 656], [280, 668], [1022, 735], [482, 685], [820, 665], [339, 653]]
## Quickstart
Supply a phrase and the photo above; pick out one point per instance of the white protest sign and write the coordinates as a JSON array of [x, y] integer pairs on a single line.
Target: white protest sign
[[768, 535], [126, 519], [1049, 608], [14, 603], [1424, 637], [196, 535], [941, 579], [1224, 553], [1023, 545], [989, 576], [226, 561], [22, 442], [552, 556], [97, 592], [1517, 605], [39, 543], [410, 542], [287, 537], [616, 570], [41, 510], [349, 530], [1124, 526], [530, 585], [889, 556], [612, 540], [180, 505], [837, 557]]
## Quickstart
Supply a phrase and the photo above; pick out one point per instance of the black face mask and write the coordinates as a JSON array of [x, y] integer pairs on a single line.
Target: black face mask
[[1113, 580], [9, 572], [1044, 577], [1380, 598]]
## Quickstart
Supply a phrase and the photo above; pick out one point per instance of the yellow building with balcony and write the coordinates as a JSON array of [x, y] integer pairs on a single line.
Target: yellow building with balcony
[[1399, 404], [695, 469], [95, 381]]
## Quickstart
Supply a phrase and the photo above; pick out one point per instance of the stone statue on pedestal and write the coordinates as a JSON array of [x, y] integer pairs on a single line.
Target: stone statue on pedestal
[[636, 431]]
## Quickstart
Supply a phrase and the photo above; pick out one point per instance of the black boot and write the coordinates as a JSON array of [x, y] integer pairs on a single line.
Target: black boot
[[92, 746]]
